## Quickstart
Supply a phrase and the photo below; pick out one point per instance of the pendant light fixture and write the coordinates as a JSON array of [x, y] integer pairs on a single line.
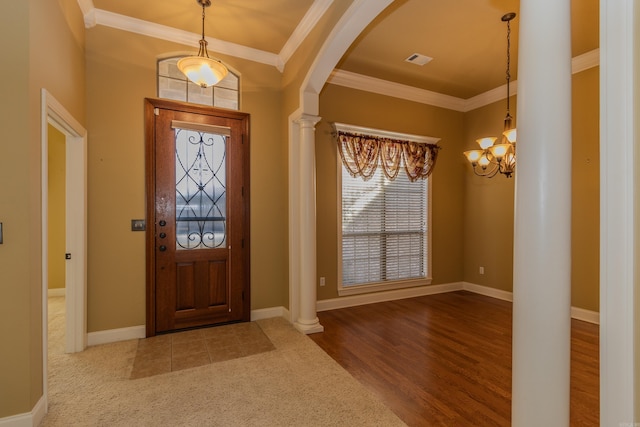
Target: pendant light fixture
[[201, 69], [501, 157]]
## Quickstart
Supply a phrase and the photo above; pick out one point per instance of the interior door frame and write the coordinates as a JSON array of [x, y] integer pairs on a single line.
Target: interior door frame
[[54, 113], [150, 107]]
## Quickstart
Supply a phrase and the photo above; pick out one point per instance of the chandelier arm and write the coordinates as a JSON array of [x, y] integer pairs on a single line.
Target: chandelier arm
[[486, 175], [487, 172]]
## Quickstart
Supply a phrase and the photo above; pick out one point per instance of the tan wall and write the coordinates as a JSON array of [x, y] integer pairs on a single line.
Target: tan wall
[[488, 234], [488, 221], [636, 131], [45, 54], [16, 283], [585, 202], [45, 41], [56, 210], [57, 64], [75, 20], [121, 69], [339, 104]]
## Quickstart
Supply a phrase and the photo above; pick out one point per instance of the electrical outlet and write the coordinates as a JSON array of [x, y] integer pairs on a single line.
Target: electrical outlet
[[481, 270], [322, 281]]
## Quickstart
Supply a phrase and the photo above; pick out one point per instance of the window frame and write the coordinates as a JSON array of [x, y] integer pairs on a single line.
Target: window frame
[[388, 284], [178, 56]]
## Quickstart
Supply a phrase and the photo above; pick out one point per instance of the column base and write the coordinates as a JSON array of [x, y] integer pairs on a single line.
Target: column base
[[309, 328]]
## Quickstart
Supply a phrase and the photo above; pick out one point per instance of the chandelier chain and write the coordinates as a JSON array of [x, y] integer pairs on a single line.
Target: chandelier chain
[[201, 69], [203, 21], [508, 60], [203, 51]]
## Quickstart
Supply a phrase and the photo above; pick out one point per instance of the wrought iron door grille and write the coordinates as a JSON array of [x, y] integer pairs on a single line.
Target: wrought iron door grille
[[200, 190]]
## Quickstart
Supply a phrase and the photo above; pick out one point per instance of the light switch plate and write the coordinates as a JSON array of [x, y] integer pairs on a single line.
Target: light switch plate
[[138, 225]]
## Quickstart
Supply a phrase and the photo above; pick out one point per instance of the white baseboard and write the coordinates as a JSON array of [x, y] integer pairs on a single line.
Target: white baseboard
[[576, 312], [114, 335], [585, 315], [362, 299], [268, 313], [354, 300], [487, 291], [135, 332], [30, 419], [56, 292]]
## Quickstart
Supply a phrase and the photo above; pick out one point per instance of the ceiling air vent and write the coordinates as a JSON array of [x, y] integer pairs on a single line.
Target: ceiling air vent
[[418, 59]]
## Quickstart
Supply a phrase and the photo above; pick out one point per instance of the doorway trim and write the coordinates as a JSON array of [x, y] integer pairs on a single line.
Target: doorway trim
[[152, 108], [54, 113]]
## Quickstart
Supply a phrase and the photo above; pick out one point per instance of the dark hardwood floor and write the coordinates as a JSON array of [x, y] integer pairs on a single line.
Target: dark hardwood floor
[[445, 360]]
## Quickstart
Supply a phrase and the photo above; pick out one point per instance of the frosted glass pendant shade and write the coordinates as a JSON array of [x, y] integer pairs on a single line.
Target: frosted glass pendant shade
[[511, 135], [473, 155], [499, 150], [202, 71], [484, 161], [486, 142]]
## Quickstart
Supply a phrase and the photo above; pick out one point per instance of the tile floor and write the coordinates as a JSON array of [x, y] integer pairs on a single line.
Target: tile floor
[[183, 350]]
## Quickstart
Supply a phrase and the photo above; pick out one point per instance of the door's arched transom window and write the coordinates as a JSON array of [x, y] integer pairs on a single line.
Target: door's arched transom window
[[172, 84]]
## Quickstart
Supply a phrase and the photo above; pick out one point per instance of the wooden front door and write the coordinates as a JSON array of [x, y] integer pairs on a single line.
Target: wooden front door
[[197, 216]]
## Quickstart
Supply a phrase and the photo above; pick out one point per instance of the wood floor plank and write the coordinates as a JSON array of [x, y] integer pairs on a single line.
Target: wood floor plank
[[445, 360]]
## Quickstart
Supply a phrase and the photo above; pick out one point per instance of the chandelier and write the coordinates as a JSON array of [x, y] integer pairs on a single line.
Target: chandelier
[[497, 157], [201, 69]]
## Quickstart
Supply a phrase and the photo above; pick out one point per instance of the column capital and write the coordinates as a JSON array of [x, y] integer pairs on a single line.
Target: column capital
[[307, 120]]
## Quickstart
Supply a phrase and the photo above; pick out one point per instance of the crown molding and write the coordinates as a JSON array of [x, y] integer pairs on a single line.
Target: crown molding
[[163, 32], [490, 96], [308, 22], [383, 87], [396, 90], [86, 6], [93, 17], [88, 13]]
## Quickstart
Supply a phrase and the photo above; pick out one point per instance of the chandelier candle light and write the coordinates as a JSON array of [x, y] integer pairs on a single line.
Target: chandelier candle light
[[201, 69], [493, 158]]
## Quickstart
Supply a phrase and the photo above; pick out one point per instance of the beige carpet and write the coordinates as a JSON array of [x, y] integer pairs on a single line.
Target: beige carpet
[[296, 384]]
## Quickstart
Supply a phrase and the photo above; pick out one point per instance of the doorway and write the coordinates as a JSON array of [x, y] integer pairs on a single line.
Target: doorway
[[57, 240], [75, 219], [197, 215]]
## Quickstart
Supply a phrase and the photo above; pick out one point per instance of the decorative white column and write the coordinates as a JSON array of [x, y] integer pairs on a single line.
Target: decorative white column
[[619, 212], [542, 246], [307, 320]]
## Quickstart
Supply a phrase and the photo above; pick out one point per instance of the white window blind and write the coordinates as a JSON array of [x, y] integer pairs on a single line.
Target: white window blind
[[384, 229]]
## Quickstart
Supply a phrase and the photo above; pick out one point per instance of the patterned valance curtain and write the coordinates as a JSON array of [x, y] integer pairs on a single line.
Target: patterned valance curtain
[[362, 154]]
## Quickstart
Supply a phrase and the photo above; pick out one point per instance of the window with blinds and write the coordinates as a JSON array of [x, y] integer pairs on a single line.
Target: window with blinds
[[384, 229]]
